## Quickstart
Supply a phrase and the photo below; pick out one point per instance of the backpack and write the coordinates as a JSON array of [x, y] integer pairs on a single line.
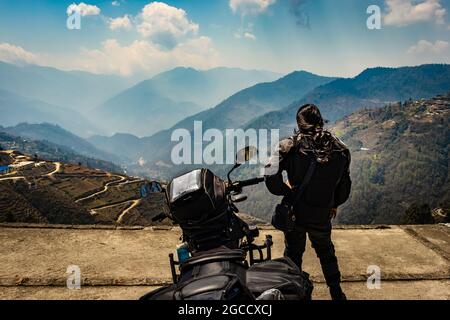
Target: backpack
[[281, 274]]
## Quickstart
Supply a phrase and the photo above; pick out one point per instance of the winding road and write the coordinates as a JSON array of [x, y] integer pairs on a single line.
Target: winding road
[[135, 203], [105, 188], [12, 178], [57, 169], [121, 180]]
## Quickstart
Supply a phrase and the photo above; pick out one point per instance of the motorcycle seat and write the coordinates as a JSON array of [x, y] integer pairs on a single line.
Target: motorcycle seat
[[223, 254]]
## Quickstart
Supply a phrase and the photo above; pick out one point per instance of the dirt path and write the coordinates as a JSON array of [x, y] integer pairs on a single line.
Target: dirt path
[[57, 168], [133, 205], [105, 188], [12, 178], [93, 211]]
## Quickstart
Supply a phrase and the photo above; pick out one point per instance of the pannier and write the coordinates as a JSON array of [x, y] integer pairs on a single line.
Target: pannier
[[281, 274], [219, 275]]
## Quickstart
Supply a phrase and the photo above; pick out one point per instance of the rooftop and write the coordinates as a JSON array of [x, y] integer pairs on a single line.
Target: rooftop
[[126, 262]]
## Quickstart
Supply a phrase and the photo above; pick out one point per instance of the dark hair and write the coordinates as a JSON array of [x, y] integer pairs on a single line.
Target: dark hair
[[309, 118]]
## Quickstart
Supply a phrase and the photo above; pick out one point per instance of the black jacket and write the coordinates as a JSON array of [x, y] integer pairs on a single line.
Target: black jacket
[[329, 186]]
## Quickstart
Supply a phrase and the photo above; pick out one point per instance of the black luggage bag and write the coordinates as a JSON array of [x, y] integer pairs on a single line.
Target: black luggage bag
[[218, 275], [281, 274]]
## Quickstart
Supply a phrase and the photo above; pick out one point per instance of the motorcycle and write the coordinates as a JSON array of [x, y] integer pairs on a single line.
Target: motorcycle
[[218, 259]]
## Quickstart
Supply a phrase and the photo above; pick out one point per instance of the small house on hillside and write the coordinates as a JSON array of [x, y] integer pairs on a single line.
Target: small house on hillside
[[4, 169]]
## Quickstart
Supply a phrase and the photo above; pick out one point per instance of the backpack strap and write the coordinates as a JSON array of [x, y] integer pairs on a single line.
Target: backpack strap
[[297, 194]]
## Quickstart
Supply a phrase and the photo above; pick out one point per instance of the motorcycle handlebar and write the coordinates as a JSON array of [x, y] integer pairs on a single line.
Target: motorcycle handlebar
[[250, 182], [238, 185]]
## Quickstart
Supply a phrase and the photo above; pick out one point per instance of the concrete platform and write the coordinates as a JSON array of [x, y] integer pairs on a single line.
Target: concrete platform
[[125, 263]]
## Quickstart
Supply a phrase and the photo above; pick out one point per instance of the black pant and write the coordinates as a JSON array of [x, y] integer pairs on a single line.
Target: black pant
[[320, 237]]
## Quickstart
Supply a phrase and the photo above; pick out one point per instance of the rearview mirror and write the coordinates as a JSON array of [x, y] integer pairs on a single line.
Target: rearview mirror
[[246, 154], [242, 156], [155, 187]]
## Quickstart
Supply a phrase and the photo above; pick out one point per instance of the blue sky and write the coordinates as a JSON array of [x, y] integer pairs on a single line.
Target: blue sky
[[134, 37]]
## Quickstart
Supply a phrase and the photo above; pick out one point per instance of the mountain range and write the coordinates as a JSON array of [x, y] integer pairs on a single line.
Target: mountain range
[[207, 88], [76, 90], [133, 126], [233, 112], [270, 106], [373, 88], [159, 103], [116, 104], [15, 109]]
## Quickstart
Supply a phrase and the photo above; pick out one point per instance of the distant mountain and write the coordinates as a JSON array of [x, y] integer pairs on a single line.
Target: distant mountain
[[16, 109], [57, 135], [141, 111], [399, 158], [373, 88], [209, 87], [126, 145], [238, 109], [80, 91], [159, 103]]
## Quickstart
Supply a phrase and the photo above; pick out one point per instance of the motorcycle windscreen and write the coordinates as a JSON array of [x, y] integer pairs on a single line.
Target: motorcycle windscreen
[[185, 184]]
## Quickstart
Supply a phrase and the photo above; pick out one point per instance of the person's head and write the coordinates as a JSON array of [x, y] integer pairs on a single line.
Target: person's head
[[309, 119]]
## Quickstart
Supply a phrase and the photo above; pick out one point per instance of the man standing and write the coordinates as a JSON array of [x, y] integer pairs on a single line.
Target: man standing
[[328, 187]]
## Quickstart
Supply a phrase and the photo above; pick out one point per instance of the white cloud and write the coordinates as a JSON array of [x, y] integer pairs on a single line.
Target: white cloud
[[164, 24], [250, 36], [245, 33], [84, 9], [143, 56], [424, 46], [249, 7], [17, 55], [169, 40], [115, 3], [406, 12], [120, 23], [139, 57]]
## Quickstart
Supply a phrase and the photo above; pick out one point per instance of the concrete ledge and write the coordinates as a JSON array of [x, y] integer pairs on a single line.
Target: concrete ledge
[[35, 257], [114, 227]]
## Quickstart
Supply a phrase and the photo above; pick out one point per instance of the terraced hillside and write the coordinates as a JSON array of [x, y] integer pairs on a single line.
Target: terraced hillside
[[39, 191]]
